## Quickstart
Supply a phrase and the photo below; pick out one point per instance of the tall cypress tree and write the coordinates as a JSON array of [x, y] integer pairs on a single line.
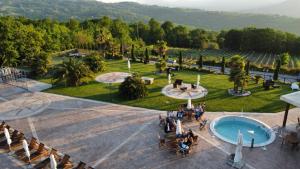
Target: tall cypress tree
[[276, 72], [180, 60], [248, 68], [121, 49], [147, 59], [200, 62], [132, 54], [223, 65]]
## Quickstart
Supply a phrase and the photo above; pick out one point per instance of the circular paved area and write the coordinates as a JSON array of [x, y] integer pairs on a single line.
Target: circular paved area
[[113, 77], [28, 104], [189, 93]]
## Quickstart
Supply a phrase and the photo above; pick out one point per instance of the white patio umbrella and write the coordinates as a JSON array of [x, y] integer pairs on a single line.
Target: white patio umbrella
[[129, 65], [238, 151], [169, 78], [179, 130], [189, 105], [25, 147], [53, 163], [7, 135], [198, 81]]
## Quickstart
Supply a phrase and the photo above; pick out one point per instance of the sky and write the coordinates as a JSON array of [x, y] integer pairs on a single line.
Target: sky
[[225, 5]]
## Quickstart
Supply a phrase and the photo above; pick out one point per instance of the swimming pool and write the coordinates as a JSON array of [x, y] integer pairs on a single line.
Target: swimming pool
[[226, 128]]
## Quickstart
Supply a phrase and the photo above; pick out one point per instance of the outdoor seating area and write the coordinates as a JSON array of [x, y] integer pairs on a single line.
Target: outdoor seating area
[[35, 154], [174, 135]]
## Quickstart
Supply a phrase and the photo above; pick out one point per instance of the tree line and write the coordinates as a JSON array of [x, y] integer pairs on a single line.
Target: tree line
[[26, 42]]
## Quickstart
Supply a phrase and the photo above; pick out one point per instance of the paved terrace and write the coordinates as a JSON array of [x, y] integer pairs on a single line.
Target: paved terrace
[[113, 136]]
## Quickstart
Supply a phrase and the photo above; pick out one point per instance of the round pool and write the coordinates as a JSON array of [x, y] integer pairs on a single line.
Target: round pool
[[226, 128]]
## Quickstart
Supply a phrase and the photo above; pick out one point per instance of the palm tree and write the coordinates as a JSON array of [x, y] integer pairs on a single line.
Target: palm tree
[[71, 72]]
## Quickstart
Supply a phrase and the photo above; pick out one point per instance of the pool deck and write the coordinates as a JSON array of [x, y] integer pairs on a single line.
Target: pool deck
[[114, 136]]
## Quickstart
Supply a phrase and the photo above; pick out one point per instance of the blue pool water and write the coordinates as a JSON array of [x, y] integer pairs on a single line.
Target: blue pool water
[[227, 128]]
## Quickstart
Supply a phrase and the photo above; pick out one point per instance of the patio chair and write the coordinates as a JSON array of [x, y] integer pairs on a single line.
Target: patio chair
[[32, 145], [65, 163], [46, 162], [3, 142], [162, 141], [203, 124], [81, 165], [161, 121], [89, 167], [2, 125]]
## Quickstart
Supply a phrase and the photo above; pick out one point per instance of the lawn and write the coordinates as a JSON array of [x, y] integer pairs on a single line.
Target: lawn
[[216, 100]]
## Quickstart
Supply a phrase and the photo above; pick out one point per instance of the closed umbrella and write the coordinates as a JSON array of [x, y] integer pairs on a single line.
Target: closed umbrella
[[25, 147], [238, 151], [179, 130], [198, 81], [129, 65], [7, 135], [53, 162], [169, 78], [189, 105]]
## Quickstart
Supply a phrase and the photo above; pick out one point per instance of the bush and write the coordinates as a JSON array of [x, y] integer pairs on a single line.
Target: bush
[[133, 88], [95, 62]]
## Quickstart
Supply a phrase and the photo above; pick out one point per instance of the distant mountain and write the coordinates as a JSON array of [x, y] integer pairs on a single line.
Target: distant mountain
[[288, 8], [132, 12]]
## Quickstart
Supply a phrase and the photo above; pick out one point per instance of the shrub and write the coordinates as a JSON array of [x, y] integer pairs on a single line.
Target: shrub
[[133, 88], [95, 62]]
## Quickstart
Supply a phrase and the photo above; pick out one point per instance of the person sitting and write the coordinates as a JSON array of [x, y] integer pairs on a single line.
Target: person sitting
[[180, 114], [202, 124], [167, 128], [190, 133], [183, 147]]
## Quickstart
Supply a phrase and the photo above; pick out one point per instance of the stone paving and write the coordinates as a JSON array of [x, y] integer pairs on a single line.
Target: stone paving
[[109, 136], [113, 77], [177, 93]]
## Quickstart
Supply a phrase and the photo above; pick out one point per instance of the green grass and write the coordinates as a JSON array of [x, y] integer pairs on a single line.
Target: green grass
[[216, 100]]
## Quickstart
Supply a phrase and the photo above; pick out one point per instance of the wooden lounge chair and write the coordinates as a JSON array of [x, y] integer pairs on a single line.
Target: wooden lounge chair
[[45, 163], [40, 153], [3, 143], [32, 145], [81, 165], [17, 142], [65, 163], [2, 135]]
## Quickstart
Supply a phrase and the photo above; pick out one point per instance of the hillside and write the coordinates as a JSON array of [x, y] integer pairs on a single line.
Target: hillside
[[83, 9], [287, 8]]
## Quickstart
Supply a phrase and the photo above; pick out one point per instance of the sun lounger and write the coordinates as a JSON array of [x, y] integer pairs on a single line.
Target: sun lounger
[[65, 163], [40, 153], [18, 141], [81, 165], [32, 145], [2, 135], [45, 163]]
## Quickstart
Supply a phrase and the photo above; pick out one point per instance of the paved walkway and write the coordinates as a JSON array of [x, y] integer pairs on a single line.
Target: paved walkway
[[115, 136]]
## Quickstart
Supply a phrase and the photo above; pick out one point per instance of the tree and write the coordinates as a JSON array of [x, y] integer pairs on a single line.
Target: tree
[[277, 69], [161, 48], [40, 64], [147, 59], [133, 88], [133, 54], [285, 58], [200, 62], [156, 33], [223, 65], [237, 73], [71, 72], [161, 65], [180, 60], [95, 62], [248, 68]]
